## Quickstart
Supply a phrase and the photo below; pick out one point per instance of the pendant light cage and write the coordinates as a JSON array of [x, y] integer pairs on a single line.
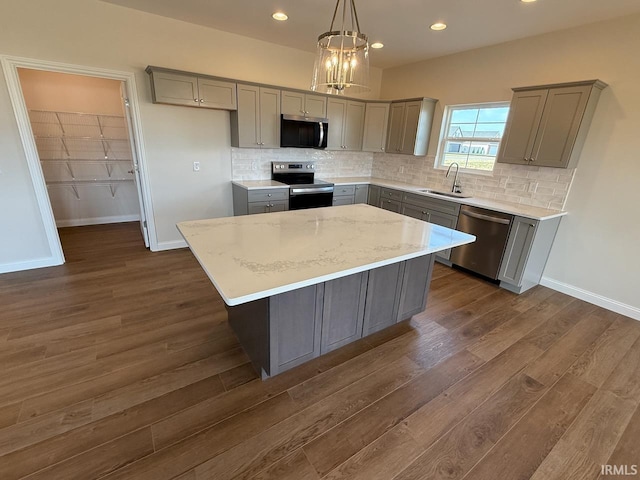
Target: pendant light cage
[[342, 59]]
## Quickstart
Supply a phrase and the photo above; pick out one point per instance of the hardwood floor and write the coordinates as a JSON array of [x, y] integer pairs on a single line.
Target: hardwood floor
[[120, 365]]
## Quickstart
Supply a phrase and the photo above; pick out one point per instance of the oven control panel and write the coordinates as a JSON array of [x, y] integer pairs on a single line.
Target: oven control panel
[[284, 167]]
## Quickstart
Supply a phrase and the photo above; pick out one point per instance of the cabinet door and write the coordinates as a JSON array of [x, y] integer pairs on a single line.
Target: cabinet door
[[175, 89], [414, 212], [217, 94], [248, 116], [516, 253], [374, 196], [362, 194], [525, 113], [354, 126], [391, 205], [295, 327], [315, 106], [410, 127], [383, 294], [292, 103], [396, 118], [375, 127], [563, 112], [415, 282], [269, 118], [445, 220], [336, 113], [343, 311]]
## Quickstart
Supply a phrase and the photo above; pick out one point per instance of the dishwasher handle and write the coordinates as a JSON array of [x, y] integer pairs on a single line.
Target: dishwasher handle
[[488, 218]]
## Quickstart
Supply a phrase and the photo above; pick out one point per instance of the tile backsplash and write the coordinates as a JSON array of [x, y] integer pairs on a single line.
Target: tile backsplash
[[537, 186], [255, 164]]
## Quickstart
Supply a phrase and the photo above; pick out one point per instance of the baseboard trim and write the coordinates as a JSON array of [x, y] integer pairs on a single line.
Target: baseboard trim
[[29, 265], [81, 222], [161, 246], [587, 296]]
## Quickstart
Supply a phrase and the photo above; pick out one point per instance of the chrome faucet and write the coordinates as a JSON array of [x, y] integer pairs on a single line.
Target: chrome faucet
[[455, 188]]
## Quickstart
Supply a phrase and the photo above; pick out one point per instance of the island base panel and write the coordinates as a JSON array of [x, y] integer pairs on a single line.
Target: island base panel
[[286, 330]]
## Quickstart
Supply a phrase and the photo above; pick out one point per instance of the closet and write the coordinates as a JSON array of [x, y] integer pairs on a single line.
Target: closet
[[83, 141]]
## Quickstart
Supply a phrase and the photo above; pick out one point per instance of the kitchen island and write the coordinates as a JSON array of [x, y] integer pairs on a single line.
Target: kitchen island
[[299, 284]]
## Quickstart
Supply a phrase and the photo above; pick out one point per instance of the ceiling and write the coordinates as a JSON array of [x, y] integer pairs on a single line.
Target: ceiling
[[402, 26]]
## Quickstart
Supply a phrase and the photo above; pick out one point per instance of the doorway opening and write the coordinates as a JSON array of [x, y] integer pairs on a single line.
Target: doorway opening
[[80, 128]]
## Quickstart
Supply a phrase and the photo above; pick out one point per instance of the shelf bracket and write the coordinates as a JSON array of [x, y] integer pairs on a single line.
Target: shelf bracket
[[113, 188], [109, 169], [64, 145], [68, 164], [75, 191]]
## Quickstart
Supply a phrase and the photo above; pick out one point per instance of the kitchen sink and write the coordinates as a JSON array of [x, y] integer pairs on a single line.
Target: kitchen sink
[[446, 194]]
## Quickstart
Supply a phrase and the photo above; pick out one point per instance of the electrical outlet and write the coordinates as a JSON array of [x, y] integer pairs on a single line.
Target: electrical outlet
[[196, 166]]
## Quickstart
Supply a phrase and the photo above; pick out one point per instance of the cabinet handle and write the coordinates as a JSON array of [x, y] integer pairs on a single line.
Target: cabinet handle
[[382, 149], [202, 100], [268, 194], [532, 159], [532, 225]]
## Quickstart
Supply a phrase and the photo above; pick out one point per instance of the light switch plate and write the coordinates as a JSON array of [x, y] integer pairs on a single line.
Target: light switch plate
[[196, 166]]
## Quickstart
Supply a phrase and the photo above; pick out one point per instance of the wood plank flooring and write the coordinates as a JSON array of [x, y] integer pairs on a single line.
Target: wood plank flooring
[[120, 365]]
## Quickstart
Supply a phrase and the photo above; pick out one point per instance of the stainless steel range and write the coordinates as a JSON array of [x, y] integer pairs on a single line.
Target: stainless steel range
[[305, 191]]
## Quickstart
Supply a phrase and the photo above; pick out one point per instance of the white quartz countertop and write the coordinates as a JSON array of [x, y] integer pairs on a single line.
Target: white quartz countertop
[[536, 213], [259, 184], [527, 211], [256, 256]]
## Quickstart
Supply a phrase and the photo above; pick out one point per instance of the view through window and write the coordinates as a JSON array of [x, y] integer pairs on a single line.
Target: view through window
[[471, 135]]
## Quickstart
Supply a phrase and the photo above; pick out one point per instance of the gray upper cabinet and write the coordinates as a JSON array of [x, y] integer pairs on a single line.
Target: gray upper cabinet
[[410, 126], [178, 88], [297, 103], [256, 123], [547, 125], [346, 124], [376, 121]]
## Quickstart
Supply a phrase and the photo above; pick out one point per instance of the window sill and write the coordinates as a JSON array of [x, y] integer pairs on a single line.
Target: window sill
[[469, 171]]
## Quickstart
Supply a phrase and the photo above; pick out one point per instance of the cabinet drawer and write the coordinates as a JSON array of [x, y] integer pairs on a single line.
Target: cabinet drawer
[[340, 190], [387, 193], [268, 195], [268, 207], [442, 206], [343, 200], [391, 205]]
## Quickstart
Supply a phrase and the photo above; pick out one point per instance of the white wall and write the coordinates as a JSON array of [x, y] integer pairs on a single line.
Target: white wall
[[596, 251], [93, 33]]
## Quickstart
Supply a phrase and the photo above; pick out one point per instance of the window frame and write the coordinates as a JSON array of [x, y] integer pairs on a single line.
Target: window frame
[[446, 123]]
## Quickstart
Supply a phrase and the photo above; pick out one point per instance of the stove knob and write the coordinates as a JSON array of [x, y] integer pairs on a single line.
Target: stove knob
[[277, 166]]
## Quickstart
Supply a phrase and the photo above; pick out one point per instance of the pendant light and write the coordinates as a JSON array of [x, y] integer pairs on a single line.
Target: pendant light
[[342, 60]]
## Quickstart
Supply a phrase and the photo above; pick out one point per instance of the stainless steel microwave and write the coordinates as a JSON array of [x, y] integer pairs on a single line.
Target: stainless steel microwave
[[303, 132]]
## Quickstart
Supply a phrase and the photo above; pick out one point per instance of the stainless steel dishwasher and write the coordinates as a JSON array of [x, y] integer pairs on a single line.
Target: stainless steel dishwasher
[[491, 230]]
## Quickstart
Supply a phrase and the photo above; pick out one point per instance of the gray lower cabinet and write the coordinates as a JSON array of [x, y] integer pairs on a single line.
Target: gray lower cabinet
[[296, 325], [350, 194], [288, 329], [343, 194], [362, 194], [525, 256], [267, 200], [391, 205], [381, 307], [432, 210], [343, 311], [373, 198]]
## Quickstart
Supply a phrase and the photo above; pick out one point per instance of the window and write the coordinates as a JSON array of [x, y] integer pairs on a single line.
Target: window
[[471, 135]]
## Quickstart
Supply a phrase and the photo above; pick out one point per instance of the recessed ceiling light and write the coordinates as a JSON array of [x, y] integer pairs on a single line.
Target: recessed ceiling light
[[280, 16], [438, 26], [377, 45], [527, 1]]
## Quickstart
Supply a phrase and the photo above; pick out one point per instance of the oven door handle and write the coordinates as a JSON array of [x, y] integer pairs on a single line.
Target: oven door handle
[[304, 191], [321, 134]]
